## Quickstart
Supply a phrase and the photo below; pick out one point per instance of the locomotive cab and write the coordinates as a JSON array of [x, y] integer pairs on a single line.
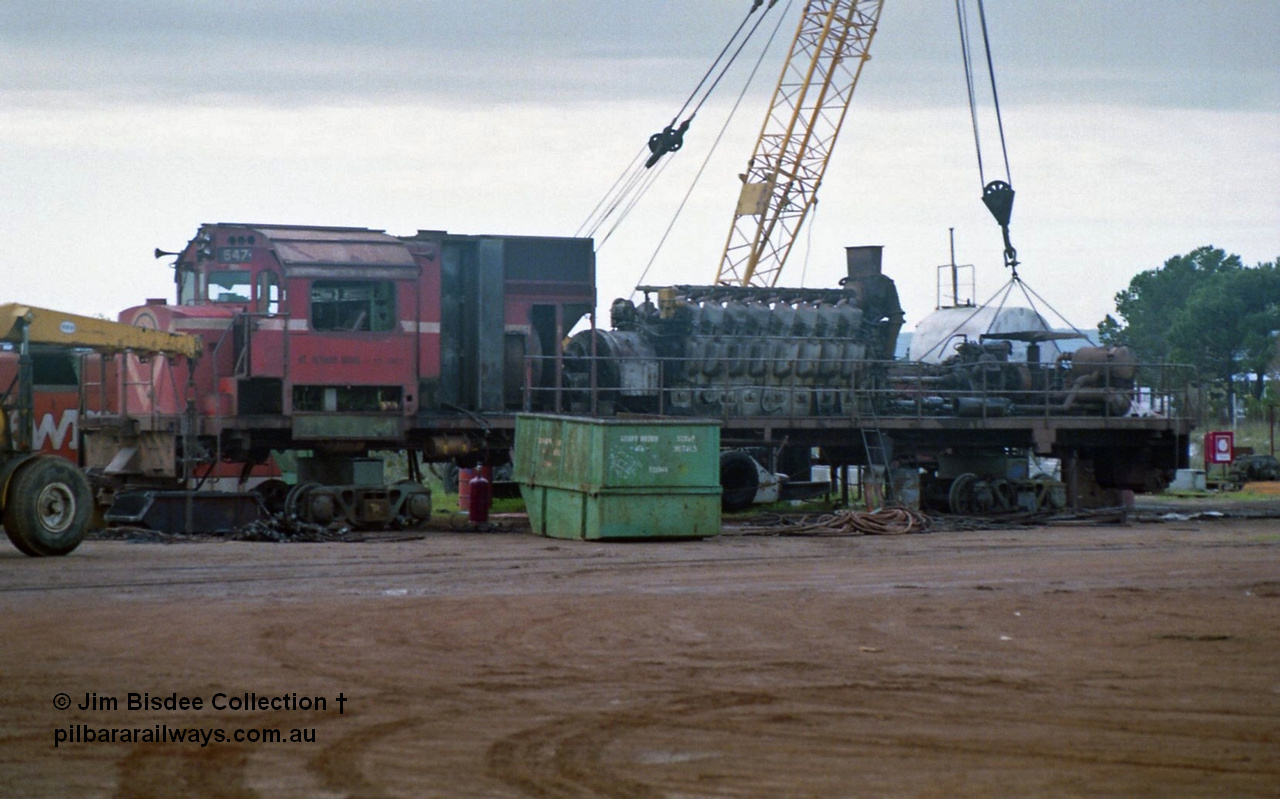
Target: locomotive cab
[[344, 340]]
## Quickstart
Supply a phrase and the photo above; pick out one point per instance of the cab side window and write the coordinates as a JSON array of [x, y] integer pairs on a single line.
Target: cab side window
[[353, 305], [188, 286]]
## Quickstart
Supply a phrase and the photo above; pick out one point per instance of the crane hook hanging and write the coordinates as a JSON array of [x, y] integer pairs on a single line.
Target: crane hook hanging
[[998, 194], [998, 197]]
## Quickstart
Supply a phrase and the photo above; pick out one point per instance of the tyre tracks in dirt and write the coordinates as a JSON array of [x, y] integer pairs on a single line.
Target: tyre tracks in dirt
[[1058, 662]]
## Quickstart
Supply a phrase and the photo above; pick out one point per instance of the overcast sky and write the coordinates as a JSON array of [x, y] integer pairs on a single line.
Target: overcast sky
[[1137, 130]]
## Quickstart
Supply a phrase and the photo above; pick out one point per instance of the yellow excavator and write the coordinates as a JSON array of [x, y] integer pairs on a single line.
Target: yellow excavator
[[45, 500]]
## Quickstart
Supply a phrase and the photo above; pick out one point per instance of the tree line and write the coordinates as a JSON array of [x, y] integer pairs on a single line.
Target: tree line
[[1209, 310]]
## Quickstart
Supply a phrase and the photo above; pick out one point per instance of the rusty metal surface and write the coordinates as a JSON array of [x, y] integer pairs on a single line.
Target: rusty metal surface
[[186, 511], [303, 246]]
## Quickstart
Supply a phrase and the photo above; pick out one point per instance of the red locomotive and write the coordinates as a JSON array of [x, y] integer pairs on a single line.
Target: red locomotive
[[338, 341]]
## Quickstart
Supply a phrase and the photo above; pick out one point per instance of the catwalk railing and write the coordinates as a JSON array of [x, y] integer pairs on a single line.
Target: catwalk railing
[[803, 388]]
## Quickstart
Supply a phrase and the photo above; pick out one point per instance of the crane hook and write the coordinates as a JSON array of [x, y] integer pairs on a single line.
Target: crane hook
[[998, 197]]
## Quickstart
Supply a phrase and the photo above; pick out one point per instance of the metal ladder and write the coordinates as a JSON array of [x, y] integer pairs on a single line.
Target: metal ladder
[[873, 441]]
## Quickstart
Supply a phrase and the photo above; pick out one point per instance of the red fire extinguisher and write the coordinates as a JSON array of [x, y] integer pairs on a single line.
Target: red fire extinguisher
[[481, 496]]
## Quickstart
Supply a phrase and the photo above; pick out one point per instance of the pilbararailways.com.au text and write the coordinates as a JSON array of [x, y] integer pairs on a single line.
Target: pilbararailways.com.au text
[[84, 732], [164, 734]]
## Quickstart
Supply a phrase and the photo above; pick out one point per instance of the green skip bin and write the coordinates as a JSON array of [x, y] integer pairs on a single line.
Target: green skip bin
[[619, 478]]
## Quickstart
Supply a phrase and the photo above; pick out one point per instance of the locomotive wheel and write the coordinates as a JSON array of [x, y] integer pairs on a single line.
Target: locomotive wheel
[[961, 498], [274, 493], [49, 507], [739, 479], [409, 521], [985, 497], [293, 502]]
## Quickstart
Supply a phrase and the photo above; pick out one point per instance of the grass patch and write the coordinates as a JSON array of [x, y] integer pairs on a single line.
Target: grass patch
[[1246, 494], [818, 505], [442, 502]]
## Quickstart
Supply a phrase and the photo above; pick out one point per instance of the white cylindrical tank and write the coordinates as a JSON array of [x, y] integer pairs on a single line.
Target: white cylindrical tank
[[936, 335]]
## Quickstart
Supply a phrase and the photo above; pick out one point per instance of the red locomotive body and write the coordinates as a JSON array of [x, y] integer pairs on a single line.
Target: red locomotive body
[[342, 340], [55, 399]]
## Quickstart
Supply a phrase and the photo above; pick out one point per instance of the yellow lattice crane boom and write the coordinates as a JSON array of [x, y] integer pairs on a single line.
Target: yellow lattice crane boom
[[781, 183]]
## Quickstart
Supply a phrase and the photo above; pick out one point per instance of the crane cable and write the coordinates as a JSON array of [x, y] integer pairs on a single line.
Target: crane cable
[[998, 194], [643, 179], [671, 138], [885, 521], [755, 4], [609, 200], [632, 184], [714, 145]]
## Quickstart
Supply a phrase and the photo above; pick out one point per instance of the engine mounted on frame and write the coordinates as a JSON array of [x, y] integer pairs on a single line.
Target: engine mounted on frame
[[741, 351], [814, 371]]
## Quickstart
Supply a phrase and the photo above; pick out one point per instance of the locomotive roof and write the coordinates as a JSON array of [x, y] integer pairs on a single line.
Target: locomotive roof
[[334, 246]]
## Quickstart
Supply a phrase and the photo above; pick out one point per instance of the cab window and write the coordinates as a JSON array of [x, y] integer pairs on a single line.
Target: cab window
[[229, 285], [353, 305], [188, 286]]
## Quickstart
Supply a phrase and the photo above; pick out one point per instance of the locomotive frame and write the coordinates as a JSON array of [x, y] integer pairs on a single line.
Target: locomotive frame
[[341, 341]]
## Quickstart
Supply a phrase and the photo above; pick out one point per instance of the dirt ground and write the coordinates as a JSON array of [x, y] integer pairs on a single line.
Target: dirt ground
[[1112, 660]]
